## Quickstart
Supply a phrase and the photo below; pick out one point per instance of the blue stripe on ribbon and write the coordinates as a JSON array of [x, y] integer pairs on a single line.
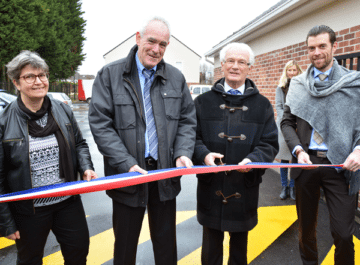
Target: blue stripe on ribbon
[[153, 172]]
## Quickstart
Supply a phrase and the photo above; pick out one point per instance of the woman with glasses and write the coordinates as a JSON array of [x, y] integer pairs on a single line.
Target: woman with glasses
[[41, 144], [291, 69]]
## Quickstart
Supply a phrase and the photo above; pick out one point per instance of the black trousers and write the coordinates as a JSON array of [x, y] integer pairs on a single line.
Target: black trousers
[[212, 247], [127, 222], [67, 221], [341, 208]]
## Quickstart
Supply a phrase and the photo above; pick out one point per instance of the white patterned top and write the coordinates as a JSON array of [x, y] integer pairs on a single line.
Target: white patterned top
[[44, 164]]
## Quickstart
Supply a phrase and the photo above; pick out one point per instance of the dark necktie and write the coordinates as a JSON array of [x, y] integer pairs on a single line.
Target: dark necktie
[[234, 92], [150, 121]]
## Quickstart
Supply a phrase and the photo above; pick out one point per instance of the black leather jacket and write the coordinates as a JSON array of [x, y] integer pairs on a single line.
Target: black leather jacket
[[14, 156], [117, 122]]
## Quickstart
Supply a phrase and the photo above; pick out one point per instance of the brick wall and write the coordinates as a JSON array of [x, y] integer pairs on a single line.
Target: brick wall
[[269, 66], [189, 84]]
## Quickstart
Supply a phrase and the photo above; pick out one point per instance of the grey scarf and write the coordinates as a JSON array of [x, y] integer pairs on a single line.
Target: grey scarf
[[333, 104]]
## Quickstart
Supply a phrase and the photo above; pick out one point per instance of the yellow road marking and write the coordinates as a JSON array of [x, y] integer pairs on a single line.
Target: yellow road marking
[[102, 245], [329, 259], [194, 258], [4, 242], [274, 220]]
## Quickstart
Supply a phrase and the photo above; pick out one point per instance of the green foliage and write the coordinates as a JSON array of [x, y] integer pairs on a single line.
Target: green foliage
[[19, 28], [53, 28]]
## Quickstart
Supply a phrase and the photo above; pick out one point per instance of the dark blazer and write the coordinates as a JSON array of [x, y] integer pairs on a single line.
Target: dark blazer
[[296, 131]]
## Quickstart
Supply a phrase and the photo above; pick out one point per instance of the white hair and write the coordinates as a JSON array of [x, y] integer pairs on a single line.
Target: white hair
[[238, 46], [155, 18]]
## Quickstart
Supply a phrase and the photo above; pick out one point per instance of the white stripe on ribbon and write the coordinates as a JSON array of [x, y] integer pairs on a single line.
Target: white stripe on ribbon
[[134, 178]]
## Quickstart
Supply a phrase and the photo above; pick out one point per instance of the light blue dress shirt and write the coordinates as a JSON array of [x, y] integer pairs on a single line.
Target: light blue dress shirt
[[140, 68]]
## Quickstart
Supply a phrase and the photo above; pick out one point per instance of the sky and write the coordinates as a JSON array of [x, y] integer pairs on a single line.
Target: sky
[[198, 24]]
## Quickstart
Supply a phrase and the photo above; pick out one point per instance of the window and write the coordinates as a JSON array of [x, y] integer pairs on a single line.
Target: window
[[196, 90], [206, 89]]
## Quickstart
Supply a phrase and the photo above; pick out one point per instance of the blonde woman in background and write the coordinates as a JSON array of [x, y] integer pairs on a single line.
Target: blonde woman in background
[[291, 69]]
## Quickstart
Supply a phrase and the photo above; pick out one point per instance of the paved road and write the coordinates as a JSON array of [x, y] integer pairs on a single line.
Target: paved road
[[273, 241]]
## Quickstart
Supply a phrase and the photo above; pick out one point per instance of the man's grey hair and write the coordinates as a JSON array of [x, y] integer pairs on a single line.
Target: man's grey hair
[[156, 18], [238, 46], [24, 58]]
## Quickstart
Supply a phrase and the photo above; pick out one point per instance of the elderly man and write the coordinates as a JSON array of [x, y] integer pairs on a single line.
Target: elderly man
[[235, 125], [320, 126], [143, 118]]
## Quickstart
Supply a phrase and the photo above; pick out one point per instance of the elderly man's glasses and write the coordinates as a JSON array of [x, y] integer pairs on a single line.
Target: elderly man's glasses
[[241, 63], [30, 78]]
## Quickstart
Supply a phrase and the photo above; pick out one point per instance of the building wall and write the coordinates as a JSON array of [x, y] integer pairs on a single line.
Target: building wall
[[287, 42], [268, 67], [339, 15], [178, 52], [120, 51], [175, 53]]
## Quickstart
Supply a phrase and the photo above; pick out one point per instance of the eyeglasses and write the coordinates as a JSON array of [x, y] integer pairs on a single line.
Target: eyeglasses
[[241, 63], [30, 79]]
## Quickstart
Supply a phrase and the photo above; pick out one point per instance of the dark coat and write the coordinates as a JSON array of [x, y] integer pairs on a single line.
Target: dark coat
[[256, 126], [117, 122], [15, 172]]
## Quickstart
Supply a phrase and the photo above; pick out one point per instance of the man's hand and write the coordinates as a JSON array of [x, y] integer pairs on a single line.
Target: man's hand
[[210, 158], [184, 161], [89, 175], [244, 162], [136, 168], [352, 162], [304, 158], [14, 236]]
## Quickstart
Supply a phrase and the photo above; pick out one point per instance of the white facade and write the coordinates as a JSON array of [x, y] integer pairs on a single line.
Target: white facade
[[290, 22], [177, 54]]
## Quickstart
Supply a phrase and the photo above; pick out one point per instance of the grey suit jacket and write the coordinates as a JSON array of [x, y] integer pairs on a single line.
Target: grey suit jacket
[[284, 153]]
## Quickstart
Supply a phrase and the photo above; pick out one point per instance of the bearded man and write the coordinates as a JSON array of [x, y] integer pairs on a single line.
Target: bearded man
[[321, 125]]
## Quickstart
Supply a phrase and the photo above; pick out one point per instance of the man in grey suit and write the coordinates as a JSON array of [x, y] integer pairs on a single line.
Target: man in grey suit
[[320, 128]]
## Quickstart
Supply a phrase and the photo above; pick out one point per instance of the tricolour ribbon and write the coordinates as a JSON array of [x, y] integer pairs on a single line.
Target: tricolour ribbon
[[135, 178]]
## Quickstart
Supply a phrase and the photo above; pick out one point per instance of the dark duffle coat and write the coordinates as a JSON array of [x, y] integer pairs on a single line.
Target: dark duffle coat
[[217, 124]]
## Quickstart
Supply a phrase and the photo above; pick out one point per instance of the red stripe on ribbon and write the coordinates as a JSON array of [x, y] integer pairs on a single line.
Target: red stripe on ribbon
[[80, 187]]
